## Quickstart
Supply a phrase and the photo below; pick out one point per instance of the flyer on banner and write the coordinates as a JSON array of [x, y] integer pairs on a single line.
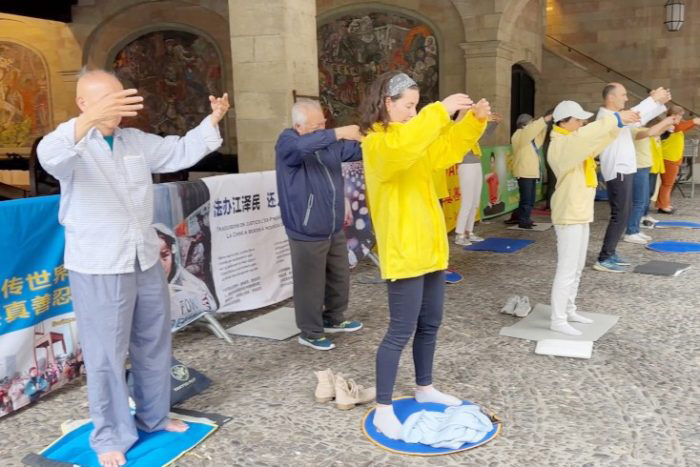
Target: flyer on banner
[[250, 255]]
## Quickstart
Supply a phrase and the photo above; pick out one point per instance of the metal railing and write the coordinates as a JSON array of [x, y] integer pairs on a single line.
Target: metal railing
[[604, 71]]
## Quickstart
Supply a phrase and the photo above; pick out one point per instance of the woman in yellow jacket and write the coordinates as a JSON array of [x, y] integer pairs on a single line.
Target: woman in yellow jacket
[[673, 145], [401, 151], [526, 164], [570, 148], [648, 150]]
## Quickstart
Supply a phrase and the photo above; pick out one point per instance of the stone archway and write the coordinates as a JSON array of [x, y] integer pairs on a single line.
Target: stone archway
[[25, 100], [175, 71]]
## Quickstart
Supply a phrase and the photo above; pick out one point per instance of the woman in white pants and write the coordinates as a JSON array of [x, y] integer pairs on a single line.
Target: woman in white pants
[[570, 148], [471, 179]]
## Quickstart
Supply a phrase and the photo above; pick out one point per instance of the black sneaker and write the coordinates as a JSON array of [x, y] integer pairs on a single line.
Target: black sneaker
[[511, 221], [525, 226], [663, 211]]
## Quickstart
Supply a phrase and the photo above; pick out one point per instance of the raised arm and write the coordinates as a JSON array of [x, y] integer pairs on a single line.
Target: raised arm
[[58, 151], [588, 140], [402, 145], [533, 129], [655, 130], [173, 153], [457, 139]]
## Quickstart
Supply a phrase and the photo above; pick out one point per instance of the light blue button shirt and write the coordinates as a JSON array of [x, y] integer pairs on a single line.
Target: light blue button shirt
[[107, 195]]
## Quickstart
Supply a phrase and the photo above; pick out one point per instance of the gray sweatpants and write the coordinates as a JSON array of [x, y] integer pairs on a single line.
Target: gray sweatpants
[[321, 283], [119, 314]]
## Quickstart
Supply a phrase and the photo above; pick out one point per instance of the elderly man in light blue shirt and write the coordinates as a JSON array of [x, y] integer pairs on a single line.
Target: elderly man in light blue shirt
[[119, 290]]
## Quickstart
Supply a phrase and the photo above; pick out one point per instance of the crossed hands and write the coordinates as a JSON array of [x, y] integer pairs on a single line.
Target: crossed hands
[[458, 102], [661, 95]]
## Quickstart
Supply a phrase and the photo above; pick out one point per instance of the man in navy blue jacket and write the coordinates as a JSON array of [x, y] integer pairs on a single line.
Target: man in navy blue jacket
[[312, 204]]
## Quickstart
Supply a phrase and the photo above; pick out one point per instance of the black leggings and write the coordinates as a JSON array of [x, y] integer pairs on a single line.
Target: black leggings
[[415, 307]]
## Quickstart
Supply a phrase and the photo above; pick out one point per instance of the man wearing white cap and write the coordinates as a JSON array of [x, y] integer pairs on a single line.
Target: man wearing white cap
[[570, 148], [618, 162]]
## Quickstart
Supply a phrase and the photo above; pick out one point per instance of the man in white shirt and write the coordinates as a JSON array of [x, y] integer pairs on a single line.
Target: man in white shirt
[[618, 163], [118, 285]]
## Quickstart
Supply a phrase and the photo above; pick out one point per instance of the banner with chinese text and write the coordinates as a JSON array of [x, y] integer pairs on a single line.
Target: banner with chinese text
[[250, 257], [39, 349]]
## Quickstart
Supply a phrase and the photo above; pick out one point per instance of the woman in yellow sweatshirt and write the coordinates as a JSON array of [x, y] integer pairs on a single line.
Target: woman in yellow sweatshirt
[[401, 151], [570, 148]]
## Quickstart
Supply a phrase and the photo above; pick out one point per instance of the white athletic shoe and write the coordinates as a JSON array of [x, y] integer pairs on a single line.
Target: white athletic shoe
[[636, 238], [475, 238], [523, 307], [645, 236], [511, 304], [650, 219], [462, 240]]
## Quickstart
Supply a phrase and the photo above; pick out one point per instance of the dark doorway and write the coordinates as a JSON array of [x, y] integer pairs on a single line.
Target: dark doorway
[[522, 95]]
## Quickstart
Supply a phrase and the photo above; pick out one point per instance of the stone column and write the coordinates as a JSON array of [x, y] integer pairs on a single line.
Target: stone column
[[488, 75], [273, 47]]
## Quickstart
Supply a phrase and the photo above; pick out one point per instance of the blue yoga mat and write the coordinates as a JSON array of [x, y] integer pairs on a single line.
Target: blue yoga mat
[[157, 448], [681, 224], [499, 245], [674, 247], [404, 407]]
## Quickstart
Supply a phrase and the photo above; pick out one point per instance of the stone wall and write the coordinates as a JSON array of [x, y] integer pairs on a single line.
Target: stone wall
[[101, 27], [630, 37]]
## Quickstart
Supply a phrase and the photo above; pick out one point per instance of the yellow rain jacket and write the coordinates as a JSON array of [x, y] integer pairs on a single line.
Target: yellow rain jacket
[[570, 157], [399, 165]]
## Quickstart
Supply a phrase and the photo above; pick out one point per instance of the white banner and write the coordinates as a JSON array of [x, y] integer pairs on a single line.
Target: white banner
[[251, 263]]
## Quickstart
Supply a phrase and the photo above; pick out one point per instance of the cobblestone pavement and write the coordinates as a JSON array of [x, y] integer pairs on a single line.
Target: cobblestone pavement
[[636, 402]]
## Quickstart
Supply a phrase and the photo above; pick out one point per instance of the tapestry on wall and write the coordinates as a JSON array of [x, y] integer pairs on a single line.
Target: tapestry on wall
[[354, 49], [175, 72], [24, 96]]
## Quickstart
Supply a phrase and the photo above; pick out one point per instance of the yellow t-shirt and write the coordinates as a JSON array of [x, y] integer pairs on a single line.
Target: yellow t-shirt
[[643, 149], [673, 146]]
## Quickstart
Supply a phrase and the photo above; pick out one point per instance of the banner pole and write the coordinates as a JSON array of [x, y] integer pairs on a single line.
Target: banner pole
[[210, 322]]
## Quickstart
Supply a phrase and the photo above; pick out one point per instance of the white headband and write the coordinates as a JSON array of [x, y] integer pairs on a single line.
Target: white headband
[[399, 84]]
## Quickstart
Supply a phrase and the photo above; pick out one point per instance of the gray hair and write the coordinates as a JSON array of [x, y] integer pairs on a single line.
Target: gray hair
[[523, 120], [87, 71], [299, 109]]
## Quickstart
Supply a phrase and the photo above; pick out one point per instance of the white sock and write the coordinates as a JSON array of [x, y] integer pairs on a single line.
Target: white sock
[[386, 422], [565, 328], [576, 318], [433, 395]]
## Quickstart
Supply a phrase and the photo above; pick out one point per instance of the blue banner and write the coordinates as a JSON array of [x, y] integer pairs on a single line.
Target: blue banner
[[34, 284]]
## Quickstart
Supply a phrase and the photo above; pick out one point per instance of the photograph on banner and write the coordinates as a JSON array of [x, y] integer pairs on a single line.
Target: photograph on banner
[[250, 254], [181, 221], [500, 194], [39, 348], [357, 225]]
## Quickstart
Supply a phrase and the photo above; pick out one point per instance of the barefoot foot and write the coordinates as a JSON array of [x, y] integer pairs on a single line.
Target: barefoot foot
[[111, 459], [177, 426]]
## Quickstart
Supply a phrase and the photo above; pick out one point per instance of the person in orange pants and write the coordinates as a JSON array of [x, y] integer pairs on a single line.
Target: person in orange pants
[[672, 146]]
